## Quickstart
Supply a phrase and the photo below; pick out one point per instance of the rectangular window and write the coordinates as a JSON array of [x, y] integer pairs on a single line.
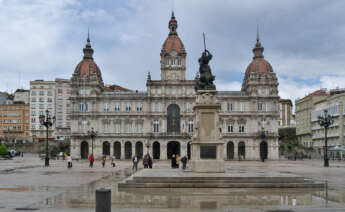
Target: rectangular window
[[139, 107], [81, 107], [268, 107], [230, 128], [128, 127], [128, 107], [33, 99], [41, 93], [50, 93], [190, 126], [242, 107], [230, 107], [153, 106], [259, 106], [41, 99], [106, 107], [33, 93], [59, 90], [241, 128], [155, 126], [188, 107], [117, 107], [49, 100], [41, 106]]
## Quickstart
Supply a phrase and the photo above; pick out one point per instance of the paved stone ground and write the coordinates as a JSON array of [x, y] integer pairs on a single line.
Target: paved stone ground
[[25, 183]]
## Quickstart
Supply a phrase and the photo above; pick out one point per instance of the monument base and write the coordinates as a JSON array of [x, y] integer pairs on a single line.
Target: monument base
[[207, 166]]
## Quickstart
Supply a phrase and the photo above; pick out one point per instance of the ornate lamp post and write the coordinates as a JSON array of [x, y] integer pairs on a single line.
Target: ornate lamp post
[[47, 121], [325, 121], [93, 135]]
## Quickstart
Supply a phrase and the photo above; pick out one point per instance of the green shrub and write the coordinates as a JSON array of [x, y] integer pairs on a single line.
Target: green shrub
[[3, 150]]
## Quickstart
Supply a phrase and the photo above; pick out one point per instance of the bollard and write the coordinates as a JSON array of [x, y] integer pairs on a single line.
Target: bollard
[[103, 200]]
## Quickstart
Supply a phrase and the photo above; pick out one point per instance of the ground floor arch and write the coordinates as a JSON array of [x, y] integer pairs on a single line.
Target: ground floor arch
[[139, 149], [84, 150], [106, 148], [241, 150], [230, 150], [117, 150], [173, 148], [263, 150], [156, 150], [128, 150]]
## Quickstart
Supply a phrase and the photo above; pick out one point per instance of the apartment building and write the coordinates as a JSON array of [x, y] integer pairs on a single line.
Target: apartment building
[[334, 104], [15, 122], [63, 109], [304, 107], [42, 98], [286, 113]]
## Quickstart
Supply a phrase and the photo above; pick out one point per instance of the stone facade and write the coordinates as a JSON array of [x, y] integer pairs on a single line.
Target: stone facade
[[286, 116], [161, 119], [304, 107], [335, 136]]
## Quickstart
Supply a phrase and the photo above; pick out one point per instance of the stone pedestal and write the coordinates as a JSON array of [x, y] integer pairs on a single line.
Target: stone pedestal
[[206, 146]]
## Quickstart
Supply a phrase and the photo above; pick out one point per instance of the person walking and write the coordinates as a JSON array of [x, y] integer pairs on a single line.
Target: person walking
[[178, 161], [184, 162], [145, 162], [112, 161], [135, 163], [103, 160], [149, 161], [173, 161], [69, 161], [91, 159]]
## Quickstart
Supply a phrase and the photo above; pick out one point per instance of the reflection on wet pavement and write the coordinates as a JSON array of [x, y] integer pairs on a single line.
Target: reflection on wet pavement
[[202, 199]]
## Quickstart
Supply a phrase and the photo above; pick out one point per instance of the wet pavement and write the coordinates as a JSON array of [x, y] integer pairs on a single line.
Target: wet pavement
[[60, 189]]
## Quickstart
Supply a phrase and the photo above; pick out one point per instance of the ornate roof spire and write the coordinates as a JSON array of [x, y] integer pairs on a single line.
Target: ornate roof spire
[[88, 51], [148, 76], [258, 49], [172, 24]]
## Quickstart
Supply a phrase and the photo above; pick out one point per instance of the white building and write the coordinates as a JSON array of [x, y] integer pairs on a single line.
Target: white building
[[42, 98], [160, 120]]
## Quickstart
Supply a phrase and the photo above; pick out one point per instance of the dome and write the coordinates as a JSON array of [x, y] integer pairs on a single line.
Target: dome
[[259, 64], [87, 66], [173, 44]]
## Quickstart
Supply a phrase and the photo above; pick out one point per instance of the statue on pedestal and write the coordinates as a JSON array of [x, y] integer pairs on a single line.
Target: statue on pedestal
[[205, 80]]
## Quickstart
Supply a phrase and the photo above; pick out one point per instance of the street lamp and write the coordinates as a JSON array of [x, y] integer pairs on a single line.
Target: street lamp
[[47, 121], [325, 121], [92, 134]]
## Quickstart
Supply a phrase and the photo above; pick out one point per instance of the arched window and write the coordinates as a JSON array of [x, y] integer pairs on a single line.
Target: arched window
[[173, 119]]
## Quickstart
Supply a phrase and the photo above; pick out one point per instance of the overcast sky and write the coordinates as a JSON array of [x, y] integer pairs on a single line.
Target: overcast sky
[[303, 40]]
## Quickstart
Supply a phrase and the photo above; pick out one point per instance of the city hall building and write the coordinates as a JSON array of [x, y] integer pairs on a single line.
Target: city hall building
[[160, 120]]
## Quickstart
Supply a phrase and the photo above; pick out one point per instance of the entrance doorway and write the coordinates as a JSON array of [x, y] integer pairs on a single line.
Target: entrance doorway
[[263, 150], [156, 150], [128, 150], [241, 150], [106, 148], [84, 150], [139, 149], [230, 150], [188, 150], [117, 150], [173, 118], [173, 148]]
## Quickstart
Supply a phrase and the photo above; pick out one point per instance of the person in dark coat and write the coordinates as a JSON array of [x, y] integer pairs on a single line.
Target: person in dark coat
[[150, 161], [184, 162], [173, 162]]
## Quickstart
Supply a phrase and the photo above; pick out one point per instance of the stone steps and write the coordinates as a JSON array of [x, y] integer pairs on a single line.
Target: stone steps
[[219, 182], [221, 185]]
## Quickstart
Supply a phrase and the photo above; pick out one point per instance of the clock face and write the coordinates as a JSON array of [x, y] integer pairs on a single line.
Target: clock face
[[173, 53]]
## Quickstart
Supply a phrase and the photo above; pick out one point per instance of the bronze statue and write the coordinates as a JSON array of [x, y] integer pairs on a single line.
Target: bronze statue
[[205, 80]]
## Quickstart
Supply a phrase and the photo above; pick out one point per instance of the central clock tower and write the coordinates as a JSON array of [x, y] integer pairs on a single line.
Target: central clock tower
[[173, 55]]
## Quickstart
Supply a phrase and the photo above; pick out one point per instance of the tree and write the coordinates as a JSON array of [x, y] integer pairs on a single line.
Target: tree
[[3, 150]]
